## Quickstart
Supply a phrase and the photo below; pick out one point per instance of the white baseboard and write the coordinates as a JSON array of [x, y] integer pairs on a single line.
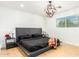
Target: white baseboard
[[75, 44]]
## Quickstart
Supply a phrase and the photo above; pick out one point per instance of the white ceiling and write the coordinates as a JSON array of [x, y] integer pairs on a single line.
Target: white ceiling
[[37, 7]]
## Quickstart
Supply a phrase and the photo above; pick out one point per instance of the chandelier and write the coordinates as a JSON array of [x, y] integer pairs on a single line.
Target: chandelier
[[51, 9]]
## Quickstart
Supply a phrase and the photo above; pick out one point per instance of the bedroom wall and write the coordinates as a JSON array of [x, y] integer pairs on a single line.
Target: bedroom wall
[[10, 19], [68, 35]]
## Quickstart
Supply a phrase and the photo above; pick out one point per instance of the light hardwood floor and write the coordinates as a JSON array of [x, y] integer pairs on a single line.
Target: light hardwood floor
[[65, 50]]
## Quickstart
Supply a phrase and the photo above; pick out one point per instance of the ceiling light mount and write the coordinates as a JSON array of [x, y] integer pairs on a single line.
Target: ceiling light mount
[[50, 1]]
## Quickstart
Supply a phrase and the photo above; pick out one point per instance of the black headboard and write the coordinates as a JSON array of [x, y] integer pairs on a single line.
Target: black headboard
[[25, 31]]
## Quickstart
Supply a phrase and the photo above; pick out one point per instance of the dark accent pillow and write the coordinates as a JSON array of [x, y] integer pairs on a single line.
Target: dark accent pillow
[[24, 36], [36, 35]]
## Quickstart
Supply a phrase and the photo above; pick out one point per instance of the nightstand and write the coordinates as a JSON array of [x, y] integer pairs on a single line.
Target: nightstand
[[10, 43]]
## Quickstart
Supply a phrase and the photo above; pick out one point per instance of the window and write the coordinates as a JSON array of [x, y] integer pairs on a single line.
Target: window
[[69, 21]]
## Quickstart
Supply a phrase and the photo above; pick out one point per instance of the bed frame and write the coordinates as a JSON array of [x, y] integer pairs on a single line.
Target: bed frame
[[23, 31]]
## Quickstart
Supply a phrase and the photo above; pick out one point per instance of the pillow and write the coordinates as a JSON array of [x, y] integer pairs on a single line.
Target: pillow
[[24, 36], [36, 35]]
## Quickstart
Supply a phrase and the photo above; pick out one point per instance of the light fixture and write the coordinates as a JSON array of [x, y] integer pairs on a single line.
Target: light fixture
[[22, 5], [51, 9]]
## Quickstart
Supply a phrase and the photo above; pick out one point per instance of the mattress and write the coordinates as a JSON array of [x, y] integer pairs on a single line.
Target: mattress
[[34, 44]]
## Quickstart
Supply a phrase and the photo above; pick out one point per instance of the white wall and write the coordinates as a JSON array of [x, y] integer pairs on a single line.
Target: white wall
[[10, 19], [68, 35]]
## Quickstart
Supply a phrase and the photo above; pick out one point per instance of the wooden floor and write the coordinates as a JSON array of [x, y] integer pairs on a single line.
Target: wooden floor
[[65, 50]]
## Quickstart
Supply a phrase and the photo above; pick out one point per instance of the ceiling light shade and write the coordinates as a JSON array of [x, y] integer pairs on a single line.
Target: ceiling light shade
[[51, 9]]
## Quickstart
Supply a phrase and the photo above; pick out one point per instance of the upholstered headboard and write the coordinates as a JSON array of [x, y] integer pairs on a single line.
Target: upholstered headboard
[[25, 31]]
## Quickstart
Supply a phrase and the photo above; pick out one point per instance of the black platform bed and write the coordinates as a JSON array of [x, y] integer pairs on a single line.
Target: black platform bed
[[24, 31]]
